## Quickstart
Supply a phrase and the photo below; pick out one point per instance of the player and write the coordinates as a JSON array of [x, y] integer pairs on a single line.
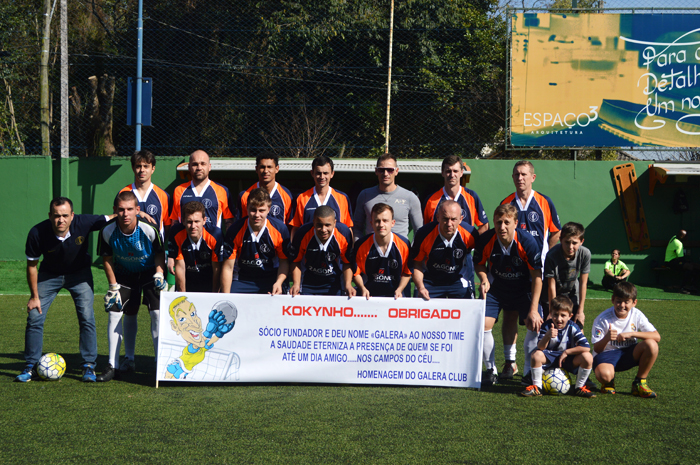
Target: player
[[153, 200], [615, 271], [198, 248], [514, 262], [321, 194], [536, 215], [404, 202], [134, 262], [624, 338], [439, 253], [212, 195], [62, 242], [319, 253], [380, 259], [255, 251], [267, 167], [566, 269], [561, 345], [188, 325]]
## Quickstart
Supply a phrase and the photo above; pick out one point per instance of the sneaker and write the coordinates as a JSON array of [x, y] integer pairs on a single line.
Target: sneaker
[[608, 388], [127, 366], [510, 368], [640, 388], [89, 373], [489, 378], [108, 374], [531, 391], [27, 375], [591, 386], [583, 391], [527, 379]]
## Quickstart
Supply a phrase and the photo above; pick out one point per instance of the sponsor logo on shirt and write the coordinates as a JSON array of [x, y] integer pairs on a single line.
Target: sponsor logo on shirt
[[445, 268], [322, 271]]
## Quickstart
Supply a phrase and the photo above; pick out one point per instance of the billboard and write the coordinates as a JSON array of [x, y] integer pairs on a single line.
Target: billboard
[[605, 80]]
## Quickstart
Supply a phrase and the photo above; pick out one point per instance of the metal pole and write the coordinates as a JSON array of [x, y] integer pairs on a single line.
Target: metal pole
[[388, 87], [64, 99], [139, 74]]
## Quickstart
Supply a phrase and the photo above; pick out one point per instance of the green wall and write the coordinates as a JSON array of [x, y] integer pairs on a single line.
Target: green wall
[[581, 191]]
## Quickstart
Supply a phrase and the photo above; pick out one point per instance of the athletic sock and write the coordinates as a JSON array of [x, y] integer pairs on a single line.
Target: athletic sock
[[510, 351], [114, 337], [537, 376], [529, 345], [582, 376], [489, 351], [155, 318], [130, 330]]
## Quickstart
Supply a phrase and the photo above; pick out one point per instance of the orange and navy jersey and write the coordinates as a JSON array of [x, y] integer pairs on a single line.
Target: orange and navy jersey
[[510, 266], [321, 264], [198, 257], [155, 203], [382, 272], [256, 256], [537, 217], [282, 207], [472, 210], [446, 261], [213, 196], [308, 202]]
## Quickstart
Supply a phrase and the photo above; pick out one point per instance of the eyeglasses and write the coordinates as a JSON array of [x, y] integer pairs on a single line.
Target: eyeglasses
[[385, 170]]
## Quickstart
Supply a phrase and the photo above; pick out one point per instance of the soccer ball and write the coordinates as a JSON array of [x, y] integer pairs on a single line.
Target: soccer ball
[[228, 309], [51, 367], [556, 382]]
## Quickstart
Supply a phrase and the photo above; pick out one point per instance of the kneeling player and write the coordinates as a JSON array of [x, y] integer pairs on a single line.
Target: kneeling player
[[442, 254], [197, 247], [380, 259], [561, 345], [515, 264], [255, 250], [622, 339], [319, 253]]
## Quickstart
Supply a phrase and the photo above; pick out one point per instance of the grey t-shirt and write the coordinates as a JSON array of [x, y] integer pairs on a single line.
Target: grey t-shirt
[[566, 272], [404, 202]]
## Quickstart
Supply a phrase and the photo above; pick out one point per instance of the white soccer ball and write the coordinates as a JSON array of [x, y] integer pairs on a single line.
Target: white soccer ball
[[51, 367], [556, 382], [228, 309]]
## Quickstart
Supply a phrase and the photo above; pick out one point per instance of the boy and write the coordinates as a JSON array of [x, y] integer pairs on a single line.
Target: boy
[[623, 338], [566, 270], [561, 344], [382, 257], [255, 251]]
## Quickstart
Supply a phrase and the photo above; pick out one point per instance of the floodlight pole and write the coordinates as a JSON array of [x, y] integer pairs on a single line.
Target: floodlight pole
[[65, 149], [388, 86], [139, 75]]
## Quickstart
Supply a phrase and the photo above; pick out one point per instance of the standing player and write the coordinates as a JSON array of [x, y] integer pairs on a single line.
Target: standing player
[[197, 247], [319, 253], [380, 259], [405, 203], [514, 262], [134, 261], [440, 250], [62, 241], [321, 194], [267, 167], [537, 216], [255, 251]]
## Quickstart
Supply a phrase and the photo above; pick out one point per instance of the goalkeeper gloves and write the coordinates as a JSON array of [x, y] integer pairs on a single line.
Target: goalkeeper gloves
[[113, 297], [160, 282]]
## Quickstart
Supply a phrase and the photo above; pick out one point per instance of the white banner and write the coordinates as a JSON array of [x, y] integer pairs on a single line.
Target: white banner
[[320, 339]]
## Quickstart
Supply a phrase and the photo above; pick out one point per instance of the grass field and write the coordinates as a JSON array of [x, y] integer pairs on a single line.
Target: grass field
[[130, 421]]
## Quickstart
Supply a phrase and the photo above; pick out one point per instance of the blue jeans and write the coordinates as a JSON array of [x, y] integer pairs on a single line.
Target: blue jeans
[[81, 289]]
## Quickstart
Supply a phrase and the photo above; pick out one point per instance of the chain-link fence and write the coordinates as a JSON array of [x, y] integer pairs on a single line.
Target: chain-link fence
[[238, 78]]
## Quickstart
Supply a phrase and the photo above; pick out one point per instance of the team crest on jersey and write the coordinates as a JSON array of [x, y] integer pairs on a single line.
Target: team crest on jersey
[[634, 327], [264, 248], [394, 264], [138, 245], [330, 256], [458, 253], [517, 261], [152, 210], [533, 217], [205, 255], [207, 203], [464, 214], [275, 210], [79, 240]]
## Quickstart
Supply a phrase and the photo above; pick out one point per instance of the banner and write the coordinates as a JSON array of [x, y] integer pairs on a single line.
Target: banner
[[320, 339], [605, 80]]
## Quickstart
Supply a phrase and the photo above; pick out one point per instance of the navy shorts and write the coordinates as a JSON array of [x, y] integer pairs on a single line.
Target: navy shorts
[[133, 285], [262, 286], [509, 303], [328, 289], [553, 361], [621, 359], [455, 290]]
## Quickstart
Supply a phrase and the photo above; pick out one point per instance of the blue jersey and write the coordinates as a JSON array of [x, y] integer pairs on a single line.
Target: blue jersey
[[510, 266], [198, 257], [65, 256], [156, 203], [282, 207], [381, 272], [321, 263], [568, 338], [446, 262], [256, 257], [131, 253]]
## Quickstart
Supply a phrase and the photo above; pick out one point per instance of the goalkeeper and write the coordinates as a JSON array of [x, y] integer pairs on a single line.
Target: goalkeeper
[[134, 261], [187, 324]]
